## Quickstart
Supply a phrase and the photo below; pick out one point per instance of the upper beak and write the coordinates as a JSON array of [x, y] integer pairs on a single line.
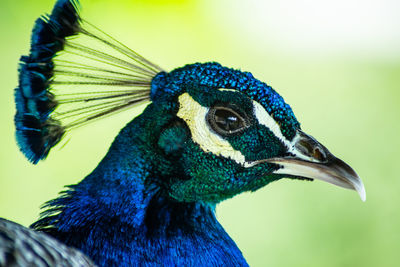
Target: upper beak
[[312, 160]]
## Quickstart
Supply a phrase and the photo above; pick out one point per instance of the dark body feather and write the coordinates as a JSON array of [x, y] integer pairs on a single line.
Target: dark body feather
[[20, 246]]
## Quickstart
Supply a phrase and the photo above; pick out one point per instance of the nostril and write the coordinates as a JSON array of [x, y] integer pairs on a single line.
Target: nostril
[[318, 154], [312, 149], [304, 147]]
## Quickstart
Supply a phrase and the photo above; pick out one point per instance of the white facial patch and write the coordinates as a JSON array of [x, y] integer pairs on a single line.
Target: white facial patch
[[195, 117], [265, 119]]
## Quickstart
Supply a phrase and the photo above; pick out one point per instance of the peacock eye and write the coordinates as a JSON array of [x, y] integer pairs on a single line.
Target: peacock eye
[[225, 121]]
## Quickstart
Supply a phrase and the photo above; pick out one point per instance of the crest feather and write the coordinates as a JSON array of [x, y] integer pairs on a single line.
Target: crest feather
[[74, 74]]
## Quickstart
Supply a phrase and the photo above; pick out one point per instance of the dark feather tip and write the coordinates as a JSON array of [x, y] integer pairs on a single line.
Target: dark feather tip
[[35, 132], [42, 33], [40, 107], [33, 83], [35, 138], [44, 42], [49, 32], [65, 18], [33, 95], [45, 68]]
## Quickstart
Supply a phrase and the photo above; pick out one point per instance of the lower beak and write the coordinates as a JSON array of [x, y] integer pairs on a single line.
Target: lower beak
[[314, 161]]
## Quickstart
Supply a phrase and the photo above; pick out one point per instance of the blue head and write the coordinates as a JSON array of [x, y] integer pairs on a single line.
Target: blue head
[[232, 123], [217, 131]]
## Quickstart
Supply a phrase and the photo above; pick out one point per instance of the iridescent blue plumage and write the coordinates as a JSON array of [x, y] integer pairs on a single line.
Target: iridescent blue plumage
[[208, 134], [121, 214]]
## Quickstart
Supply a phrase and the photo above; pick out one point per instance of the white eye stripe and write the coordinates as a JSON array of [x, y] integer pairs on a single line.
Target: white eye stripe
[[195, 117], [265, 119]]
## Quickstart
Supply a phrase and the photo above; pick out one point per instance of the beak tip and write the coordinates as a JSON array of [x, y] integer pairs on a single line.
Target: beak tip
[[363, 195], [361, 191]]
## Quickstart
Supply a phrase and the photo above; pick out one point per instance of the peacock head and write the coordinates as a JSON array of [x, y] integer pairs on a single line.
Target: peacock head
[[220, 131], [233, 133]]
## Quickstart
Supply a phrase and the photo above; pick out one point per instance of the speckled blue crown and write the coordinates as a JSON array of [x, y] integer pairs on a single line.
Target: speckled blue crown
[[213, 75]]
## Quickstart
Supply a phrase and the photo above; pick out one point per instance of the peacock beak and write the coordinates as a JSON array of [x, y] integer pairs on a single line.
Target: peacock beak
[[312, 160]]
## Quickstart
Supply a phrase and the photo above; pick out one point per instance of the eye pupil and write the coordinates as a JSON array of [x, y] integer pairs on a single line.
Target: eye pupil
[[225, 121]]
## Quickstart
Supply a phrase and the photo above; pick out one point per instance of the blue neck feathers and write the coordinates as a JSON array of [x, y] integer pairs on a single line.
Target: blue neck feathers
[[119, 215]]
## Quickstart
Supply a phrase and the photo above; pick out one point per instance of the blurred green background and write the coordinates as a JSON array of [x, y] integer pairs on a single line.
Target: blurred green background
[[336, 63]]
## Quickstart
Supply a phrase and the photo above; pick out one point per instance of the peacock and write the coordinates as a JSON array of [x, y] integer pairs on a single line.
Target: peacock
[[207, 134]]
